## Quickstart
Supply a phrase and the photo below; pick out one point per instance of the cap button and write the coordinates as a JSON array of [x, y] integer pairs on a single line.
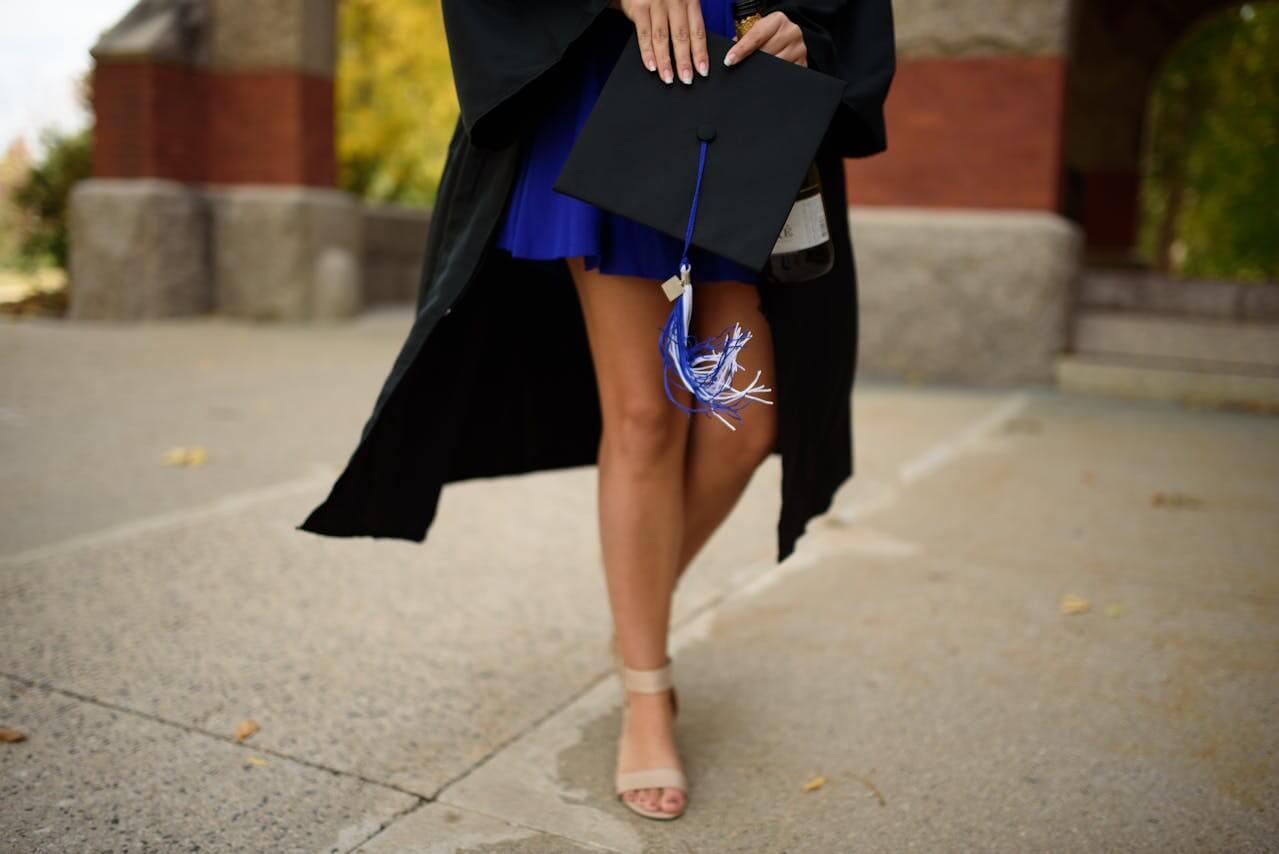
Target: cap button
[[705, 132]]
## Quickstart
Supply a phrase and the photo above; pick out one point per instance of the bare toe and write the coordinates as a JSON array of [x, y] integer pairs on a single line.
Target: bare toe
[[673, 800]]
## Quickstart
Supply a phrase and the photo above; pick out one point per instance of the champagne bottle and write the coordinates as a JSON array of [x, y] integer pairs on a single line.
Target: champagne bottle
[[804, 249]]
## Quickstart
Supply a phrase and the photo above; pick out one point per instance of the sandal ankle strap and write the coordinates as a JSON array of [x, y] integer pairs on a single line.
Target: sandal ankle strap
[[647, 681]]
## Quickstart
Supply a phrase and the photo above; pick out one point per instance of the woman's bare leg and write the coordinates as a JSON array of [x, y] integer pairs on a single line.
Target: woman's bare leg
[[641, 499], [720, 462]]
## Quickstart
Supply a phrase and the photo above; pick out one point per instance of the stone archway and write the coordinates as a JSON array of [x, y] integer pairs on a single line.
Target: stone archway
[[1136, 332], [1116, 52]]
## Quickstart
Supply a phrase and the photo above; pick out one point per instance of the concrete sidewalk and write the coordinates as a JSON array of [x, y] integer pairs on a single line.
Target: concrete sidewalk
[[457, 695]]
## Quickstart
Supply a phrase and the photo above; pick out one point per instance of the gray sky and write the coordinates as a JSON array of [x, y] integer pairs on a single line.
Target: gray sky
[[44, 47]]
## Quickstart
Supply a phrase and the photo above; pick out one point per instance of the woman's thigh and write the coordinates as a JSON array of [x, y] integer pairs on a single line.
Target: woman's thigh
[[624, 317], [716, 307]]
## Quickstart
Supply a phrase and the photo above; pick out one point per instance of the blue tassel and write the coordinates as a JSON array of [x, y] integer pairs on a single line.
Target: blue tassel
[[706, 368]]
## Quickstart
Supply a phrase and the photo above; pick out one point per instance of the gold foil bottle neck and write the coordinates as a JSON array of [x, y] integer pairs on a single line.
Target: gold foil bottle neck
[[744, 24]]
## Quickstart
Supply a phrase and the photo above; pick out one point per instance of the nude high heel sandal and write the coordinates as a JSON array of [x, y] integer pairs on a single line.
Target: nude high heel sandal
[[617, 663], [649, 682]]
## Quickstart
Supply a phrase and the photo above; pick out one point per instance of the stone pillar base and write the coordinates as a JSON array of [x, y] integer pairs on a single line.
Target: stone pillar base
[[290, 253], [138, 250], [966, 296], [394, 248]]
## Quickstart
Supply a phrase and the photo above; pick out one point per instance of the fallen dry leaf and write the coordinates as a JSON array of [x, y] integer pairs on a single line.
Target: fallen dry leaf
[[246, 729], [196, 455], [12, 736], [815, 783], [1114, 609], [1071, 604], [255, 761]]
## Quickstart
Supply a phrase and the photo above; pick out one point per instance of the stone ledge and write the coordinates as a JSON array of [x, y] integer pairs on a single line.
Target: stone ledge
[[958, 295], [286, 253], [1132, 379], [934, 28], [159, 31], [1215, 343], [139, 250], [394, 249], [1150, 291]]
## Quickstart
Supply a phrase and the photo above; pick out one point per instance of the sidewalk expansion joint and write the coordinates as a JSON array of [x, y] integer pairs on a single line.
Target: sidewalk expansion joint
[[404, 813], [195, 730], [225, 505]]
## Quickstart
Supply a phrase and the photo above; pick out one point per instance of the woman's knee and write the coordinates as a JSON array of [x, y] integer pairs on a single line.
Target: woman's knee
[[749, 446], [644, 431]]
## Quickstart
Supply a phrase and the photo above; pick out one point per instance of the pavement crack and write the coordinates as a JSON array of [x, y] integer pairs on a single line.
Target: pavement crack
[[195, 730], [381, 828]]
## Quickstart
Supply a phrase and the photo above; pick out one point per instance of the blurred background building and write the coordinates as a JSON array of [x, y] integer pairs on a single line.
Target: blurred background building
[[1075, 191]]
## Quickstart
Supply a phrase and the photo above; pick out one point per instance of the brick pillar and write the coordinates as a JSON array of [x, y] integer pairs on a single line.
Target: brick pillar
[[223, 110], [966, 263], [271, 92], [247, 98]]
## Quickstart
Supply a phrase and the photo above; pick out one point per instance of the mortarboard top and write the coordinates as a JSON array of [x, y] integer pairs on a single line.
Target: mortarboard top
[[638, 153], [718, 163]]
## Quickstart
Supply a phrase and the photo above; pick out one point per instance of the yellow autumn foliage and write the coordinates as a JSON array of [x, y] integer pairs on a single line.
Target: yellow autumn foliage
[[396, 107]]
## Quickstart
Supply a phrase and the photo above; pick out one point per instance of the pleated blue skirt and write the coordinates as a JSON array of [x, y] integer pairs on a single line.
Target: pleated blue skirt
[[541, 224]]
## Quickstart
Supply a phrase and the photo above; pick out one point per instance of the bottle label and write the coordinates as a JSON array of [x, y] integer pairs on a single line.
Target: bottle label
[[804, 228]]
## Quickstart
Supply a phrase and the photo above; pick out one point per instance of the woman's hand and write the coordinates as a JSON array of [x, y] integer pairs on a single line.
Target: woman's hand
[[661, 23], [775, 34]]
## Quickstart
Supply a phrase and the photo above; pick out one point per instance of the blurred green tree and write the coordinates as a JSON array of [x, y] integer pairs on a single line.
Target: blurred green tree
[[45, 192], [1211, 189], [396, 107]]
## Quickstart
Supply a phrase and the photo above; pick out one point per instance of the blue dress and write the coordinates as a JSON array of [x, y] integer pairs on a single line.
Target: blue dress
[[541, 224]]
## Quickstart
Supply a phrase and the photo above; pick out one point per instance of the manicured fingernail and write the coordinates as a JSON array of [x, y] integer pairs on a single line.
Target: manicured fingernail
[[686, 76], [651, 65], [728, 59], [668, 77], [703, 68]]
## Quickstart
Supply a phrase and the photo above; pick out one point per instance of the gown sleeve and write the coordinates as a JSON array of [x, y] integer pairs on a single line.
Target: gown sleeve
[[852, 40], [501, 50]]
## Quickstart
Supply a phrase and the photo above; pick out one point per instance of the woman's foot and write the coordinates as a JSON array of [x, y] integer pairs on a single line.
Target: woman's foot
[[648, 741]]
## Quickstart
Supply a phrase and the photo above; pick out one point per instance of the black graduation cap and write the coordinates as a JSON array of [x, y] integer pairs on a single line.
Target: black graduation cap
[[762, 119], [717, 164]]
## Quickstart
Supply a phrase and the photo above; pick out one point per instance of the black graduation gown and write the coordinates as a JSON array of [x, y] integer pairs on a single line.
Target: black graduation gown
[[495, 376]]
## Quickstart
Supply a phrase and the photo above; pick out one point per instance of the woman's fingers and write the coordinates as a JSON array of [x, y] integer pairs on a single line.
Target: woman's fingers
[[677, 13], [640, 14], [763, 30], [661, 23], [785, 45], [775, 34], [697, 37]]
